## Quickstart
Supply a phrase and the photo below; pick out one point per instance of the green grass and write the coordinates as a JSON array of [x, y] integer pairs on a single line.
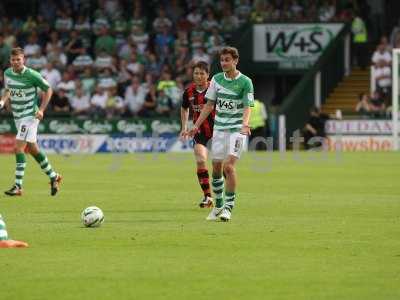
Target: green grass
[[306, 226]]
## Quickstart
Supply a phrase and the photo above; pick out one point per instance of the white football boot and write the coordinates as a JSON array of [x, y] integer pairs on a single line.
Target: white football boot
[[225, 215], [214, 214]]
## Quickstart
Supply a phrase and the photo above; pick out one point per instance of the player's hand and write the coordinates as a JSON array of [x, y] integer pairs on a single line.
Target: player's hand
[[245, 130], [39, 115], [183, 135], [2, 104], [193, 131]]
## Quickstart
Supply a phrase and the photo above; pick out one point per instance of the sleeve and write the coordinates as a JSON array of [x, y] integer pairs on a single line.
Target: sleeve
[[185, 100], [248, 94], [39, 81], [211, 93]]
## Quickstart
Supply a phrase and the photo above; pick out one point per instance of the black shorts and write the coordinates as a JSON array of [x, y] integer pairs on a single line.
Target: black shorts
[[202, 139]]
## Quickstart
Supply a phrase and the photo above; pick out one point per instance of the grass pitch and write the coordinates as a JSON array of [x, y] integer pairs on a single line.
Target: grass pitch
[[305, 226]]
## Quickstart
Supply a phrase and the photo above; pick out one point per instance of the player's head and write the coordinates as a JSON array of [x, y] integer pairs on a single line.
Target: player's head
[[17, 59], [229, 58], [201, 71]]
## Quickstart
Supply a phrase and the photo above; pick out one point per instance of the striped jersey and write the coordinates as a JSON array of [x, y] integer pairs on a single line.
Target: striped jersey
[[23, 89], [231, 97], [195, 100], [3, 230]]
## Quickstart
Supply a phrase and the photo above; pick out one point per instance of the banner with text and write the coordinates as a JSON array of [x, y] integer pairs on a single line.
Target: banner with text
[[353, 143], [101, 143], [359, 127], [137, 127], [292, 45]]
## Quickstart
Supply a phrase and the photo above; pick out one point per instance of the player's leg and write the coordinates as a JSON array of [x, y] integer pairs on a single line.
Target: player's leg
[[230, 187], [20, 160], [218, 190], [200, 153], [237, 142], [42, 160], [218, 152]]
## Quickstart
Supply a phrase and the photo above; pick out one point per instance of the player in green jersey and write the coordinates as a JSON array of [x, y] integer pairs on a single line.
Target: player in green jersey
[[21, 94], [232, 94]]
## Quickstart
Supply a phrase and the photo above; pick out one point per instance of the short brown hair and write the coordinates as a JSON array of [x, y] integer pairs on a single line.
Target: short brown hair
[[230, 50], [17, 51], [202, 65]]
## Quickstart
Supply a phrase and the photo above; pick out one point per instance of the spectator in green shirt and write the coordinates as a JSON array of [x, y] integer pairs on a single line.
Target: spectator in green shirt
[[105, 42]]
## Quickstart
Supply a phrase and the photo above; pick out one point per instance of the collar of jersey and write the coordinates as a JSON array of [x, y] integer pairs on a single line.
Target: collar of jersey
[[230, 79], [22, 72]]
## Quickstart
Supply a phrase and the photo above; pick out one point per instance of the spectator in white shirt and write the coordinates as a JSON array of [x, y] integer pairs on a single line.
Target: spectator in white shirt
[[98, 102], [82, 61], [67, 84], [52, 75], [103, 60], [80, 102], [134, 65], [140, 38], [383, 79], [135, 95], [37, 61], [32, 47], [382, 56], [161, 21]]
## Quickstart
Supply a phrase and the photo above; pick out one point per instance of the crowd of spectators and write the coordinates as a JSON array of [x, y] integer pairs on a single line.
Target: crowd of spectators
[[112, 58], [379, 103]]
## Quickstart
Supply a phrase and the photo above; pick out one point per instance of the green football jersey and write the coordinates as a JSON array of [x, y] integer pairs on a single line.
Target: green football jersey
[[3, 230], [231, 97], [23, 89]]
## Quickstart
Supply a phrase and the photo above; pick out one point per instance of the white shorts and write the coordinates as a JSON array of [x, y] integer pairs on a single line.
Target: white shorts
[[226, 143], [27, 130]]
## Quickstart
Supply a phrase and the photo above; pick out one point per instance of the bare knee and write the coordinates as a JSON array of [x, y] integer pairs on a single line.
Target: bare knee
[[19, 149], [33, 148], [229, 170], [201, 160]]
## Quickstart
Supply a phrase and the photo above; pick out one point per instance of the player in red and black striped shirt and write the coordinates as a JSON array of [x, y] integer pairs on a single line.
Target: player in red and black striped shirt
[[194, 99]]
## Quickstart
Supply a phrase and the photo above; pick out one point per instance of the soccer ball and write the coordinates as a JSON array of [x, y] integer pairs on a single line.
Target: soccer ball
[[92, 216]]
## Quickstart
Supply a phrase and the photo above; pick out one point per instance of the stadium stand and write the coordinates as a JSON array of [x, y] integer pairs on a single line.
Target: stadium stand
[[116, 52]]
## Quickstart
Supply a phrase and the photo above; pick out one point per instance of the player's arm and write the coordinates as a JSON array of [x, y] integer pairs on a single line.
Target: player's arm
[[184, 122], [184, 115], [248, 102], [246, 119], [47, 93], [46, 96], [207, 109], [4, 99]]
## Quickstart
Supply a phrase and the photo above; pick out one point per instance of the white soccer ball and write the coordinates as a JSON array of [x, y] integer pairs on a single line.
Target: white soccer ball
[[92, 216]]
